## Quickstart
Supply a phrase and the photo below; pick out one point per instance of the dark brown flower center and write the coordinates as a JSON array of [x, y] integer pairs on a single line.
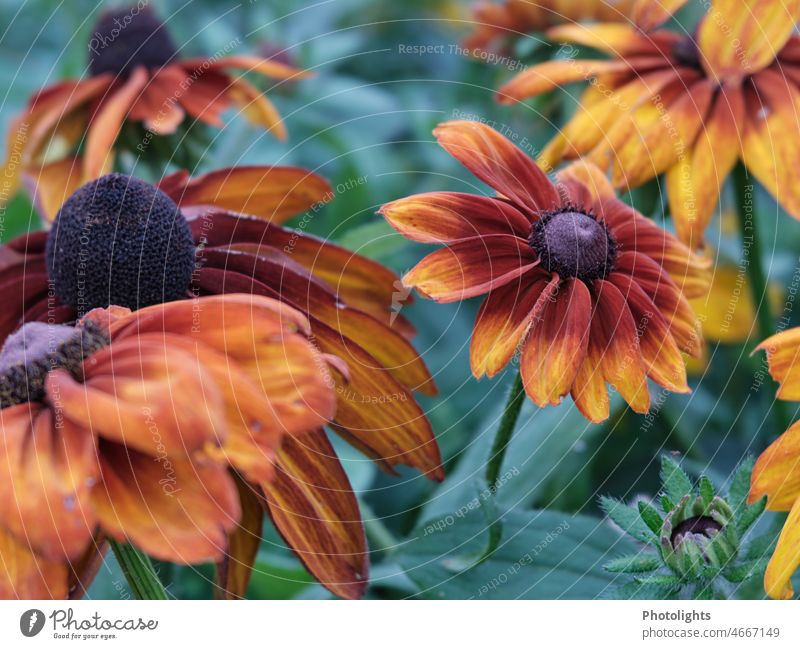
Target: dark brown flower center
[[574, 244], [687, 52], [119, 240], [123, 39], [38, 348], [702, 526]]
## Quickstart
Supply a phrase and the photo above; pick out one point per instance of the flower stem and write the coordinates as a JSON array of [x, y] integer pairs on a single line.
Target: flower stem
[[756, 276], [499, 447], [139, 571]]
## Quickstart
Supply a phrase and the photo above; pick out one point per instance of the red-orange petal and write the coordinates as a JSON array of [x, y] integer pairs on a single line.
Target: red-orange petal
[[24, 575], [314, 508]]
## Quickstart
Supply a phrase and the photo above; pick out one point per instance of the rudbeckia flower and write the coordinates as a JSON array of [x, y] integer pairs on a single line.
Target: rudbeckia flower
[[512, 18], [119, 240], [688, 105], [591, 291], [777, 472], [136, 75], [128, 424]]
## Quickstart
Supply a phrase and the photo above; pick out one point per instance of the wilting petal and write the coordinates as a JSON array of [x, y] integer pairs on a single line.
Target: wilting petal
[[658, 143], [235, 568], [504, 319], [660, 353], [23, 575], [53, 183], [649, 14], [314, 508], [376, 413], [45, 478], [768, 145], [447, 217], [268, 68], [738, 38], [272, 193], [785, 559], [106, 124], [783, 356], [556, 345], [776, 474], [499, 163], [614, 339], [258, 110], [143, 392], [661, 289], [207, 97], [693, 183], [553, 74], [471, 267], [169, 507]]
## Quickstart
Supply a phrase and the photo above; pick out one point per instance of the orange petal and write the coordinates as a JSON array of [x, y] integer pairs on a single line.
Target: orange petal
[[45, 477], [589, 390], [106, 124], [556, 345], [618, 39], [589, 175], [662, 358], [447, 217], [785, 559], [694, 182], [783, 356], [272, 193], [169, 507], [53, 183], [24, 575], [614, 339], [471, 267], [504, 319], [771, 126], [314, 508], [258, 110], [234, 570], [158, 104], [648, 14], [499, 163], [776, 474], [145, 393], [376, 413], [266, 67], [737, 38]]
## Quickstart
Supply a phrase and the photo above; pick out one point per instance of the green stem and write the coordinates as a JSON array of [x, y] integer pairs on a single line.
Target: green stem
[[756, 276], [499, 447], [139, 571]]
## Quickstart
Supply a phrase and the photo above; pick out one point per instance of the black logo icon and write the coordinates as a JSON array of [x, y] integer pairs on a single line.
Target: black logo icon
[[31, 622]]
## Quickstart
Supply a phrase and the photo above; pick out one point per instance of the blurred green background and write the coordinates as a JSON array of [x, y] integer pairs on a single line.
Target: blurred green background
[[364, 122]]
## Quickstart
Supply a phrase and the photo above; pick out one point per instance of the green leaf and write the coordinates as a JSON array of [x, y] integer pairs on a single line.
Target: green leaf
[[650, 516], [676, 483], [654, 587], [544, 554], [740, 485], [642, 562], [750, 515], [706, 490], [629, 519], [746, 570], [761, 547], [666, 504]]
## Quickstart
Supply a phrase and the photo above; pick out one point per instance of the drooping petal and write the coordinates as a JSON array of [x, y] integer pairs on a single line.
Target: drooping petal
[[556, 345], [258, 110], [471, 267], [694, 181], [618, 39], [504, 319], [314, 508], [272, 193], [499, 163], [648, 14], [24, 575], [45, 477], [53, 183], [106, 124], [158, 104], [738, 38], [785, 559], [265, 67], [614, 339], [170, 507], [776, 474], [783, 356], [447, 217]]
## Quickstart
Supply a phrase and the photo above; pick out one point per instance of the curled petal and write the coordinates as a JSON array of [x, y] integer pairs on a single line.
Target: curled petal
[[776, 474], [783, 356], [259, 110], [785, 559]]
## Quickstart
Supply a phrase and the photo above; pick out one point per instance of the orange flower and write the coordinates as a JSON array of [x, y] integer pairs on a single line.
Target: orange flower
[[513, 18], [777, 472], [690, 106], [189, 237], [136, 75], [127, 425], [589, 289]]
